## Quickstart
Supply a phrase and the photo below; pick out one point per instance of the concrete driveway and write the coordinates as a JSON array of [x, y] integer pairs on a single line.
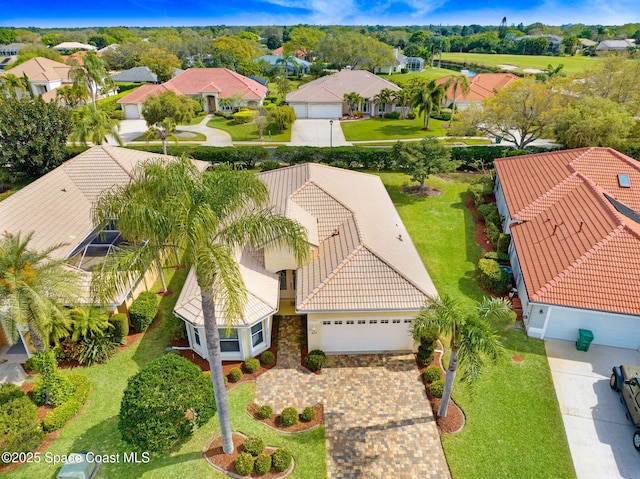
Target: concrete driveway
[[599, 434], [317, 133], [131, 129]]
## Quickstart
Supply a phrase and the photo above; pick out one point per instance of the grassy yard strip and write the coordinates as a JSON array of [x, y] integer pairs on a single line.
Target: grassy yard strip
[[575, 64], [387, 129], [514, 427], [199, 137], [196, 119], [249, 131], [426, 74]]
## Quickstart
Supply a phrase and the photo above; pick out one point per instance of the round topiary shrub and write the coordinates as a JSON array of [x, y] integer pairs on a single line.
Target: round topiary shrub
[[316, 360], [437, 388], [265, 412], [263, 464], [244, 464], [267, 358], [281, 459], [164, 402], [289, 416], [432, 374], [253, 445], [251, 365], [308, 414], [235, 375]]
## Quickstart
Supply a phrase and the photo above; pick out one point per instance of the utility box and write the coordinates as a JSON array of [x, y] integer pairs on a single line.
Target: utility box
[[584, 339]]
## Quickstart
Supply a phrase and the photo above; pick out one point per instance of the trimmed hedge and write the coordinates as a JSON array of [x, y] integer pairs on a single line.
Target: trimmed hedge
[[432, 374], [501, 258], [289, 416], [504, 240], [486, 210], [243, 117], [244, 464], [120, 329], [253, 445], [437, 388], [20, 429], [316, 360], [66, 411], [143, 310], [263, 464], [281, 459], [308, 414], [251, 365], [265, 412], [493, 277], [235, 375], [267, 358]]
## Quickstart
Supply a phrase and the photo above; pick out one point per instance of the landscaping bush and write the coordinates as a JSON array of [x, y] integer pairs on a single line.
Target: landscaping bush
[[207, 374], [251, 365], [235, 375], [485, 210], [67, 350], [444, 115], [427, 347], [289, 416], [493, 232], [120, 329], [253, 445], [9, 392], [20, 429], [244, 464], [97, 349], [392, 115], [493, 217], [281, 459], [243, 117], [437, 388], [143, 309], [501, 258], [493, 277], [308, 414], [164, 402], [504, 239], [267, 358], [432, 374], [265, 412], [411, 115], [263, 464], [316, 360], [52, 391], [269, 165], [66, 411]]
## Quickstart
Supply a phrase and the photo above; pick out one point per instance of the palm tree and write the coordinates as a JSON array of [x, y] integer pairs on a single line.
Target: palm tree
[[287, 60], [472, 337], [427, 96], [403, 100], [93, 75], [13, 84], [88, 321], [95, 126], [207, 217], [33, 289], [384, 97], [458, 82], [163, 130], [353, 99]]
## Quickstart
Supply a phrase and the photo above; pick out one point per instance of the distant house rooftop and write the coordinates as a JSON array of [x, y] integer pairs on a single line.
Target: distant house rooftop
[[135, 75], [64, 46]]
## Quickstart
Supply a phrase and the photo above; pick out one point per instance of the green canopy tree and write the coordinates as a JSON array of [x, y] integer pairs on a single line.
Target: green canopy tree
[[472, 336], [206, 217], [164, 111], [429, 157], [160, 62], [33, 289]]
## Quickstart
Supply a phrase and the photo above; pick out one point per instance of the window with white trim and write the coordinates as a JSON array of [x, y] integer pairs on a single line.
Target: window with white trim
[[229, 340], [196, 336], [257, 334]]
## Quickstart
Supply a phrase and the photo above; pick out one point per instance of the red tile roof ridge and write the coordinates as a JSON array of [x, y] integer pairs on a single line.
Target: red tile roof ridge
[[620, 156], [577, 263], [534, 204]]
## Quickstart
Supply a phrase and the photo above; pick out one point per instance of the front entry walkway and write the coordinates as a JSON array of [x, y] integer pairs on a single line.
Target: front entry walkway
[[378, 421]]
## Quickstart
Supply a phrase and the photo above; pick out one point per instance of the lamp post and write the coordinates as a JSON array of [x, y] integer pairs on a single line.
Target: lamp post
[[330, 133]]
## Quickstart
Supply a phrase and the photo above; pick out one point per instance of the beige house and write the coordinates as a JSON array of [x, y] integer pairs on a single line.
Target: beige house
[[44, 75], [360, 289], [57, 209]]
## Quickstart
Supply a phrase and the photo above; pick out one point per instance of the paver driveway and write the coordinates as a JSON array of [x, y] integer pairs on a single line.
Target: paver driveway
[[378, 421]]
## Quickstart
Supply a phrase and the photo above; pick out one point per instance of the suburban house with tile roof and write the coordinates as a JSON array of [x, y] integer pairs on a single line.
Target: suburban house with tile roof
[[44, 75], [481, 87], [57, 208], [324, 97], [397, 66], [574, 219], [360, 288], [614, 46], [209, 85]]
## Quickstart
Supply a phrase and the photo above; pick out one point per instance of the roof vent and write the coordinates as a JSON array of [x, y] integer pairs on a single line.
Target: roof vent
[[623, 181]]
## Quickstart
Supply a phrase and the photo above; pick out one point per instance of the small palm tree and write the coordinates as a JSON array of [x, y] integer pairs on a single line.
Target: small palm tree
[[33, 289], [472, 337], [458, 82], [95, 126], [353, 99], [207, 217], [92, 75], [163, 130], [427, 96], [384, 97], [88, 321], [403, 99], [12, 84]]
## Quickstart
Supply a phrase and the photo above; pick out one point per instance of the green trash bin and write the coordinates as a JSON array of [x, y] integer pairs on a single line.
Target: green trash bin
[[584, 339]]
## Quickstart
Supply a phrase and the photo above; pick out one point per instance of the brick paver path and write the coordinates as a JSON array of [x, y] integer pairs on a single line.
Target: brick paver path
[[378, 421]]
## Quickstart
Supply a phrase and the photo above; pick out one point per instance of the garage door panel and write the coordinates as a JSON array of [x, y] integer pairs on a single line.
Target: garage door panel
[[366, 335], [300, 110], [131, 112], [325, 111]]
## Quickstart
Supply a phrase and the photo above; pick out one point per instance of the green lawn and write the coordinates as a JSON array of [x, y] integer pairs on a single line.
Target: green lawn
[[446, 142], [196, 119], [427, 74], [514, 427], [387, 129], [249, 132], [573, 64], [96, 430], [172, 139]]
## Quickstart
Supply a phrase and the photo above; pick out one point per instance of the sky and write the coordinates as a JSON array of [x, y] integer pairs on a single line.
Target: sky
[[83, 13]]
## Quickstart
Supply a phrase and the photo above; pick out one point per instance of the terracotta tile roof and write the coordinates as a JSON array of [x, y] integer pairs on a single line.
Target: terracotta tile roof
[[194, 81], [41, 69], [481, 86], [332, 88], [575, 246]]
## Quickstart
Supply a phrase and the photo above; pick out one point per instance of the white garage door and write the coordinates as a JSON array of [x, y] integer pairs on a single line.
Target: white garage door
[[366, 335], [131, 112], [301, 110], [325, 111]]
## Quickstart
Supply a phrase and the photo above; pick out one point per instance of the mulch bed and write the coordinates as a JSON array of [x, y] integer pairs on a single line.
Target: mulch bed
[[479, 234], [454, 420], [274, 421], [226, 462], [426, 191]]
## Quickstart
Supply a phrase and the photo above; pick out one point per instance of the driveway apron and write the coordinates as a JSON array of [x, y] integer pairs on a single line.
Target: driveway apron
[[378, 420]]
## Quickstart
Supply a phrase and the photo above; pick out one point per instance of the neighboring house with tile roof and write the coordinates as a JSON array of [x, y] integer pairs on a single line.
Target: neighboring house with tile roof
[[360, 288], [209, 85], [44, 75], [136, 75], [324, 97], [481, 87], [68, 46], [574, 219], [57, 208], [397, 66], [302, 66]]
